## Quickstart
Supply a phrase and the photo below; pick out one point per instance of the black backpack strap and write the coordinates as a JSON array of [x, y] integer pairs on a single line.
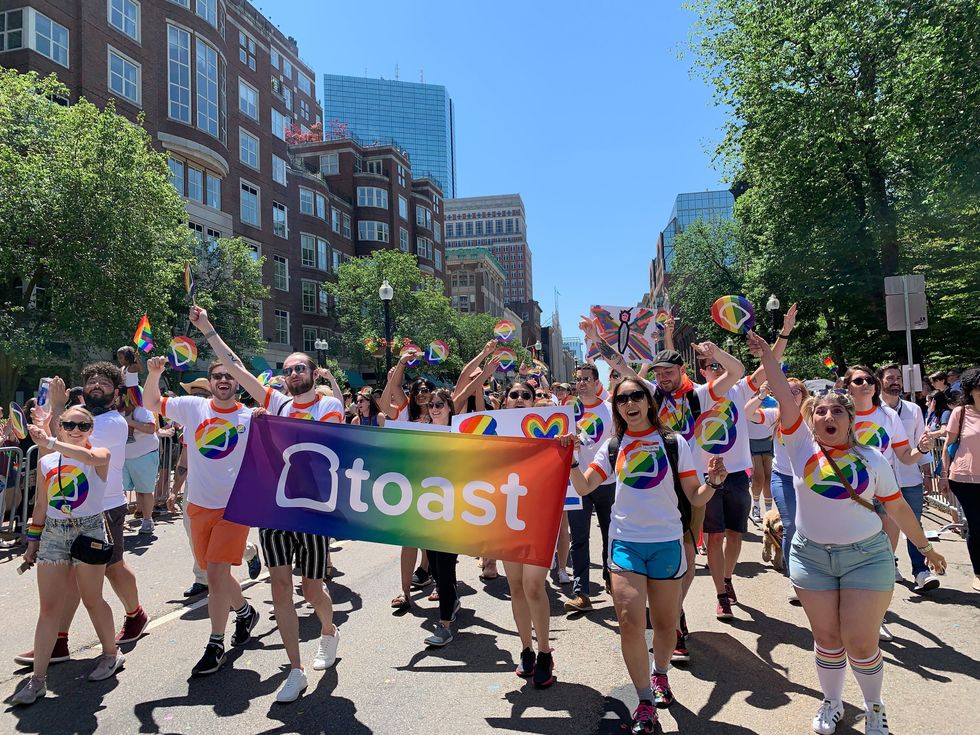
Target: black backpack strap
[[283, 407], [683, 504], [613, 453]]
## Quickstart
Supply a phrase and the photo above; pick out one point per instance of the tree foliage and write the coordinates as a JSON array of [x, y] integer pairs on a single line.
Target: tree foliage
[[853, 132]]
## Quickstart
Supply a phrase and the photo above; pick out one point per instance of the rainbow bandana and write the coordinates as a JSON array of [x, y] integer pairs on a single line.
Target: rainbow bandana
[[733, 314], [498, 497]]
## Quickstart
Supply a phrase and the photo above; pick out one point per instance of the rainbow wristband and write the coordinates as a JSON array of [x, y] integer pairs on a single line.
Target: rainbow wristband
[[34, 532]]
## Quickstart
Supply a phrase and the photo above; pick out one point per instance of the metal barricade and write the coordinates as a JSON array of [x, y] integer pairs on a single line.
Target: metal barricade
[[11, 460], [945, 502], [164, 476], [28, 483]]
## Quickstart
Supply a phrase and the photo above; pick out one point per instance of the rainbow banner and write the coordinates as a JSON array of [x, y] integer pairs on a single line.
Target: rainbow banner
[[497, 497]]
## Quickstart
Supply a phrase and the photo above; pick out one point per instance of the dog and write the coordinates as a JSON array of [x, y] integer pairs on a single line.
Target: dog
[[772, 534]]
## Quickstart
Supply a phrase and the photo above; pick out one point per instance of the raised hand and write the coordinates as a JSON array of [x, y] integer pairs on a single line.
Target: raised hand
[[199, 318], [717, 473], [705, 350], [789, 319], [757, 343], [156, 366], [57, 392], [39, 435]]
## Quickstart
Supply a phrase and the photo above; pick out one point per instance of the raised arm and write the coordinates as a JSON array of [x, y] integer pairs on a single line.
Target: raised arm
[[474, 385], [474, 364], [393, 395], [334, 385], [734, 369], [95, 456], [780, 345], [669, 333], [199, 318], [152, 399], [789, 412]]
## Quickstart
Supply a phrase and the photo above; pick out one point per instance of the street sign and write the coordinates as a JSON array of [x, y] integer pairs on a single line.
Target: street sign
[[905, 310], [895, 311], [912, 378], [894, 284]]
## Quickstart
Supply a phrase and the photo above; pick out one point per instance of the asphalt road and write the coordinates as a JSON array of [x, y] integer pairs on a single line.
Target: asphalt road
[[753, 675]]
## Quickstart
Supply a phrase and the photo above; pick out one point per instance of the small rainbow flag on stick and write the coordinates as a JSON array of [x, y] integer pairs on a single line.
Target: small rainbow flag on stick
[[189, 284], [830, 364], [143, 337]]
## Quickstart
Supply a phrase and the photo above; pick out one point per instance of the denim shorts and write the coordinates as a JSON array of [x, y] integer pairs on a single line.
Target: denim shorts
[[60, 533], [863, 565], [665, 560]]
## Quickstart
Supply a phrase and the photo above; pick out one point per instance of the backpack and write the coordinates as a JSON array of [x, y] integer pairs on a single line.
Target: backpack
[[670, 444]]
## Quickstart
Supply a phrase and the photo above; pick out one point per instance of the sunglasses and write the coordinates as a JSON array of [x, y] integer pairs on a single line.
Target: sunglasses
[[515, 394], [716, 366], [862, 381], [80, 425], [635, 396], [221, 376], [584, 379], [539, 394], [423, 389], [832, 392], [298, 369], [438, 405], [362, 399]]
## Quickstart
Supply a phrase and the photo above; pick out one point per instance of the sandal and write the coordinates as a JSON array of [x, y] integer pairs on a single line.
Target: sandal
[[400, 602], [434, 595], [490, 570]]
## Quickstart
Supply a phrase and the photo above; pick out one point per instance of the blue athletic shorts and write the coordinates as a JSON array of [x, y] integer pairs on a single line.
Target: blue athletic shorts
[[664, 560]]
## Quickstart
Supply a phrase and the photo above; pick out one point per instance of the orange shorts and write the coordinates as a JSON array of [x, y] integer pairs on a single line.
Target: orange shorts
[[214, 539]]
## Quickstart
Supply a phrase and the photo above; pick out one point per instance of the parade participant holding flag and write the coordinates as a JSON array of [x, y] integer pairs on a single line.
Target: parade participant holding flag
[[282, 548], [841, 561]]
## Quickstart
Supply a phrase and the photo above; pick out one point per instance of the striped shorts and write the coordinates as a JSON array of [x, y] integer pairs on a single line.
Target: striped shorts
[[285, 548]]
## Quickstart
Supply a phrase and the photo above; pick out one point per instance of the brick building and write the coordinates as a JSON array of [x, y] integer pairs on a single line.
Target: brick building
[[219, 87], [476, 281]]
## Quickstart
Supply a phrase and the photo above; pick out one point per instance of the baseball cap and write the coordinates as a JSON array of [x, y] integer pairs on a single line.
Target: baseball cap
[[668, 358]]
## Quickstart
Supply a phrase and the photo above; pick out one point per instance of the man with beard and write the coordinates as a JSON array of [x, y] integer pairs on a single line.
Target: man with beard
[[909, 476], [215, 432], [282, 548], [101, 384]]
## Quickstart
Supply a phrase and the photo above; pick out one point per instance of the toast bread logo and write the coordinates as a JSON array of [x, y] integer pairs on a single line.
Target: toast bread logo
[[642, 464], [677, 417], [67, 490], [314, 464], [592, 425], [537, 427], [578, 408], [870, 434], [733, 313], [304, 415], [820, 477], [483, 425], [216, 438], [714, 430]]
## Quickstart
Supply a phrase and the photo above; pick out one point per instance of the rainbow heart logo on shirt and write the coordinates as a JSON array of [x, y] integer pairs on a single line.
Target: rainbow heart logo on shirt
[[483, 425], [216, 438], [870, 434], [536, 427], [592, 425], [733, 314], [642, 465], [714, 430], [67, 489], [820, 477]]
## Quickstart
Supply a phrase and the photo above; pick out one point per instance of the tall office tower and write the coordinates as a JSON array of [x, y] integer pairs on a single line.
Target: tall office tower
[[417, 117]]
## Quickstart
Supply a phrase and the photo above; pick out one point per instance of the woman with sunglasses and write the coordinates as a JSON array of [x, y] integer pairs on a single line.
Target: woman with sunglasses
[[840, 560], [367, 412], [646, 549], [73, 475]]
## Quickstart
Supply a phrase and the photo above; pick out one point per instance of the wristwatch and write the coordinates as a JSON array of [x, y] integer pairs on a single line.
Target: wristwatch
[[924, 549], [710, 484]]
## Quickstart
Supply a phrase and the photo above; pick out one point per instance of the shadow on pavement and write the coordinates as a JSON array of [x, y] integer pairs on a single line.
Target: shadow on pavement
[[577, 708], [316, 711], [77, 704], [472, 652]]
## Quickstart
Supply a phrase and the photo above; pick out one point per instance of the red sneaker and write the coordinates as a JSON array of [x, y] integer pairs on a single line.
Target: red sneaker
[[133, 626], [59, 654], [730, 591], [723, 611]]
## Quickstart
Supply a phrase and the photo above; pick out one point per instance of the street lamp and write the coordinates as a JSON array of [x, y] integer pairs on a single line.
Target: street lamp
[[772, 306], [321, 348], [386, 293]]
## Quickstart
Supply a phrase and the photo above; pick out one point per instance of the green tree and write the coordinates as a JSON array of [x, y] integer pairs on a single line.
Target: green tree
[[92, 234]]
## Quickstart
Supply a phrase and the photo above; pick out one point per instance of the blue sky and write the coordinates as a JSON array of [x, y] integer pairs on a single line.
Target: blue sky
[[591, 116]]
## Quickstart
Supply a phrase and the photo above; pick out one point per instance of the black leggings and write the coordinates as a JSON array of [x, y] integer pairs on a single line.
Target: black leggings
[[968, 493], [442, 566]]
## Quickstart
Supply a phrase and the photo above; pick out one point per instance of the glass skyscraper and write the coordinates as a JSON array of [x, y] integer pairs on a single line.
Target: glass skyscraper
[[417, 117], [710, 206]]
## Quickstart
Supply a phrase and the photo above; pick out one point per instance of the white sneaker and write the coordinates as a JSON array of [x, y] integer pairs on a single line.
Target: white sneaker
[[563, 577], [326, 653], [884, 634], [296, 682], [875, 722], [756, 515], [146, 526], [925, 581], [827, 717]]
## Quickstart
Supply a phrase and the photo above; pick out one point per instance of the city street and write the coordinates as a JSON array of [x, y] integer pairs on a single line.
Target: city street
[[754, 675]]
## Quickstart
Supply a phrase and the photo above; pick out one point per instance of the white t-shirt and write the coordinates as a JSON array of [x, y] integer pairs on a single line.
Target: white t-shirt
[[111, 431], [763, 430], [770, 417], [723, 430], [137, 442], [677, 415], [130, 380], [825, 512], [914, 424], [594, 427], [881, 429], [216, 439], [321, 408], [645, 508], [71, 485]]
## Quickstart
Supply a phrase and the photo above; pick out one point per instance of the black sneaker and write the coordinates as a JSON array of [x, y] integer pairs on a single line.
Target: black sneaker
[[212, 660], [544, 670], [525, 669], [420, 579], [244, 626]]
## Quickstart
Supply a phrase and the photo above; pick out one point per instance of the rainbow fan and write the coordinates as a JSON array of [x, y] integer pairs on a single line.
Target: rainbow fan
[[733, 314], [661, 319], [183, 353], [508, 359], [437, 352], [504, 330]]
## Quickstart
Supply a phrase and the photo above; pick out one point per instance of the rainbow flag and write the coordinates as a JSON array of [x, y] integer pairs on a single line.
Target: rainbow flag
[[491, 496], [830, 364], [189, 284], [143, 337]]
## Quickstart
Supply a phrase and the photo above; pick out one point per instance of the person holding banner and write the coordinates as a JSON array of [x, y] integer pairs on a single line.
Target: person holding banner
[[656, 485], [281, 549], [841, 560], [217, 428]]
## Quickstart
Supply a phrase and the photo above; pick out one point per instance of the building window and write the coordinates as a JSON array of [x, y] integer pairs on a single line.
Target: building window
[[208, 9], [124, 15], [310, 337], [278, 170], [287, 96], [403, 207], [214, 191], [309, 297], [248, 149], [373, 231], [11, 30], [274, 58], [374, 166], [479, 227], [307, 250], [207, 87], [280, 272], [176, 174], [321, 254], [469, 229], [304, 83], [423, 247], [282, 327], [304, 109], [423, 217], [179, 73], [510, 227], [287, 69], [195, 184], [401, 175], [437, 232], [124, 76], [280, 226], [248, 100], [436, 202], [499, 227], [372, 196], [438, 259], [335, 262], [250, 204], [321, 206], [329, 164], [279, 124], [246, 50], [346, 227], [335, 220], [403, 239], [305, 201], [50, 39]]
